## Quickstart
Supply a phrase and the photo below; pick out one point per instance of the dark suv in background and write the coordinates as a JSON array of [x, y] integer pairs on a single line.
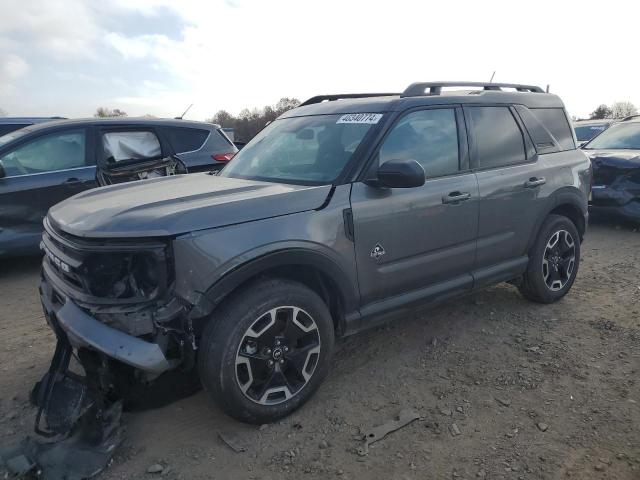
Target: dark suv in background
[[341, 214], [43, 164], [615, 157], [11, 124]]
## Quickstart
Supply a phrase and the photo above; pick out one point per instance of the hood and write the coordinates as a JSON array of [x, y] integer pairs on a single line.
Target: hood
[[610, 166], [179, 204]]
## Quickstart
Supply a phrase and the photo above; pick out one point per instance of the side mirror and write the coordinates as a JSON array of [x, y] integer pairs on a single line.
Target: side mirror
[[3, 173], [399, 174]]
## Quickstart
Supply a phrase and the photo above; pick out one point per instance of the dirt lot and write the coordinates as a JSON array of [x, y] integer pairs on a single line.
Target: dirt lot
[[535, 391]]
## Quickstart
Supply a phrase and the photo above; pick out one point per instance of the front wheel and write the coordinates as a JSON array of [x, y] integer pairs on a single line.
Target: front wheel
[[553, 261], [266, 350]]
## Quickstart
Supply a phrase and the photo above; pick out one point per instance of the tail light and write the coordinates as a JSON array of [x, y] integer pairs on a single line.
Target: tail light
[[223, 157]]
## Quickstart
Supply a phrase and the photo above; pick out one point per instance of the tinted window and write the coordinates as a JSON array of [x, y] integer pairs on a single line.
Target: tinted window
[[130, 145], [618, 137], [556, 122], [428, 136], [587, 132], [186, 139], [57, 151], [498, 137], [222, 142]]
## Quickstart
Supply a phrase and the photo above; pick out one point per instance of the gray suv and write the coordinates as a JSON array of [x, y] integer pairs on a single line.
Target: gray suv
[[341, 214]]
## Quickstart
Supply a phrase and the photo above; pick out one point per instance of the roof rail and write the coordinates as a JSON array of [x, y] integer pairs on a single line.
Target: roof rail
[[435, 88], [330, 98], [630, 117]]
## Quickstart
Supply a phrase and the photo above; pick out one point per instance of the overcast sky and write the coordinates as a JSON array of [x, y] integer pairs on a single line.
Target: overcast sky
[[67, 57]]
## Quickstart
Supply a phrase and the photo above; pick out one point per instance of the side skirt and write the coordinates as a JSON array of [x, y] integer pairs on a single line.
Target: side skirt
[[401, 306]]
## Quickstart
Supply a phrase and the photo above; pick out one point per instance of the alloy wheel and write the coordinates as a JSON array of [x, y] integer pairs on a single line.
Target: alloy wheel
[[277, 355], [558, 260]]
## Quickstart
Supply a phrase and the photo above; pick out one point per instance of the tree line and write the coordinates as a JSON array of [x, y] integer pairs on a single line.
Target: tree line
[[616, 110], [245, 125], [249, 122]]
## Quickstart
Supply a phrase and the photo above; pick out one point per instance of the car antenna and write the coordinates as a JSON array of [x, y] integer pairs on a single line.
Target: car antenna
[[492, 75], [547, 88], [184, 113]]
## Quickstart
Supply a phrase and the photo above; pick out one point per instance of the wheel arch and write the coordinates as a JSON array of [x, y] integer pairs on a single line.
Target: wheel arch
[[315, 270], [569, 203]]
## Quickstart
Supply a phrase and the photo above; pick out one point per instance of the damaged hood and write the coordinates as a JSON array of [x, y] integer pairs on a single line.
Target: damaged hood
[[609, 166], [178, 204]]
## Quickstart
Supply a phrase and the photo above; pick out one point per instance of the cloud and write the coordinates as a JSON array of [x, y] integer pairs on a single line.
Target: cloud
[[13, 67], [232, 54], [64, 30], [136, 47]]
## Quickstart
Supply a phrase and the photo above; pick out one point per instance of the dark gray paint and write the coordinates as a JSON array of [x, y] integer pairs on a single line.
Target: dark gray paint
[[183, 203], [224, 231]]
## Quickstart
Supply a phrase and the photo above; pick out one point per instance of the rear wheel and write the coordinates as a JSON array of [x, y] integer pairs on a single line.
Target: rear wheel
[[553, 261], [266, 350]]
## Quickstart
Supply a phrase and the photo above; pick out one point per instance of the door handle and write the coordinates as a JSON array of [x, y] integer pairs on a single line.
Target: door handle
[[456, 197], [72, 181], [534, 182]]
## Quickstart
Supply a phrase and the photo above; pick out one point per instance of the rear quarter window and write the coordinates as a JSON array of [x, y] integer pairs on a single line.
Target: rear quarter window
[[555, 120], [184, 139]]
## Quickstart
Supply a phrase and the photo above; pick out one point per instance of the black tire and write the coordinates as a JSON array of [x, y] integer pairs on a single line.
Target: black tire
[[535, 283], [232, 327]]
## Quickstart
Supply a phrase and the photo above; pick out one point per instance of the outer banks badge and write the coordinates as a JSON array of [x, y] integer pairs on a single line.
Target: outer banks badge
[[377, 252]]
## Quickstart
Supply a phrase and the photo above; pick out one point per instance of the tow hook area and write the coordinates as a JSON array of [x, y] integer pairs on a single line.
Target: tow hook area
[[77, 425]]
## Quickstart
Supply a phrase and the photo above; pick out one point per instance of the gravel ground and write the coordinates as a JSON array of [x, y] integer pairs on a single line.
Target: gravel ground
[[504, 389]]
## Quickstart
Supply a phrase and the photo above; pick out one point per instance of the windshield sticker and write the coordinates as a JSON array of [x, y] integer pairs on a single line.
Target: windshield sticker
[[360, 118]]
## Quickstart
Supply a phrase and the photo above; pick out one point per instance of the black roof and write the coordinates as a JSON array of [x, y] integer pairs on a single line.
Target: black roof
[[428, 93]]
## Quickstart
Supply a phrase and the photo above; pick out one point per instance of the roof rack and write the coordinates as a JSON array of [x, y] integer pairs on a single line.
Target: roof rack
[[435, 88], [330, 98]]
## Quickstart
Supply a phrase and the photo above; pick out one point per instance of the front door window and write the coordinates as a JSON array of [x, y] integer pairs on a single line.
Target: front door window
[[49, 153]]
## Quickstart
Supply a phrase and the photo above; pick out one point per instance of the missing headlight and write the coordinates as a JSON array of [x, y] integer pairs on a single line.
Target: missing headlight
[[125, 275]]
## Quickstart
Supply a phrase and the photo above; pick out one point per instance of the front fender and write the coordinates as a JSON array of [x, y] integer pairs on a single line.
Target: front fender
[[210, 264]]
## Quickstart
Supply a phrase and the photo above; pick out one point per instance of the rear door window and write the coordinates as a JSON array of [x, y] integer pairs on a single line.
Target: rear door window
[[555, 120], [48, 153], [186, 139], [130, 145], [499, 140]]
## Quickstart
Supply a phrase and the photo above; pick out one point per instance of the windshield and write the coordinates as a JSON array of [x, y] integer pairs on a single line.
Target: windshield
[[9, 137], [307, 150], [618, 137], [587, 132]]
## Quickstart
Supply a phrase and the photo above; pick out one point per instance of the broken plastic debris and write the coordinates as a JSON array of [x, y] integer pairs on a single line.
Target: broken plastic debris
[[231, 442], [405, 417]]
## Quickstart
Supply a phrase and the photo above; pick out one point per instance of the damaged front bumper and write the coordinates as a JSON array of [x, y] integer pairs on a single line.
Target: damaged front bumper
[[121, 335], [84, 331], [615, 202]]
